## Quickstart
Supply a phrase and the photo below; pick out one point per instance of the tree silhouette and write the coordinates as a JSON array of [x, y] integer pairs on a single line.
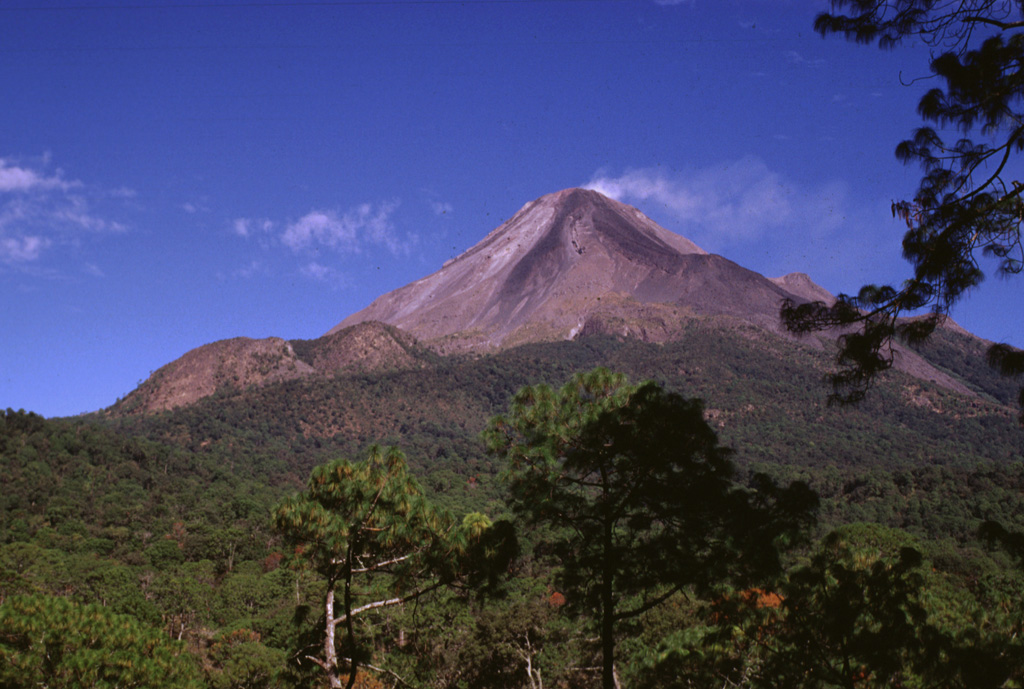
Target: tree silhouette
[[641, 497], [852, 618], [968, 203], [861, 614]]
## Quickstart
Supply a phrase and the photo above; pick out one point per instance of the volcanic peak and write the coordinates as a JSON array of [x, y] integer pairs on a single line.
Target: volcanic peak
[[545, 271]]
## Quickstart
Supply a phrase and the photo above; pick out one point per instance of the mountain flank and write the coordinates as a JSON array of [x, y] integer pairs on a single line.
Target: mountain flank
[[567, 266]]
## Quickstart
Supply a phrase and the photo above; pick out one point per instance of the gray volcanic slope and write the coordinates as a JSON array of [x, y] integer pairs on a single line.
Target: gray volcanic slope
[[562, 260]]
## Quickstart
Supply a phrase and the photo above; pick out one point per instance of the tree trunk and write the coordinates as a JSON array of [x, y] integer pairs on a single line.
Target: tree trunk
[[607, 616], [349, 624], [330, 652]]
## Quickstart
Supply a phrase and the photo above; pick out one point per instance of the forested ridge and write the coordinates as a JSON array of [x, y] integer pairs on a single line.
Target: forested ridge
[[166, 519]]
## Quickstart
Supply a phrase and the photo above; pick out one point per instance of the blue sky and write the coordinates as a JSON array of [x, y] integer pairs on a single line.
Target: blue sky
[[178, 172]]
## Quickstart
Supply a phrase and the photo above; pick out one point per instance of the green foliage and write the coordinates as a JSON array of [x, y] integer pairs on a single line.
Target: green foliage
[[239, 661], [640, 496], [853, 616], [520, 642], [367, 529], [866, 612], [52, 642]]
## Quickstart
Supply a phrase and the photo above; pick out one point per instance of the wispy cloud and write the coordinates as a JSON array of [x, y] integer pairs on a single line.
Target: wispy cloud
[[346, 232], [193, 207], [795, 58], [21, 249], [75, 212], [253, 268], [41, 209], [248, 227], [318, 271], [356, 231], [727, 203], [765, 221], [16, 178], [441, 208]]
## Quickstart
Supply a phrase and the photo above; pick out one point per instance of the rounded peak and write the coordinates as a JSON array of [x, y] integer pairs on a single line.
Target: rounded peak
[[801, 285], [574, 197], [794, 278], [576, 194], [235, 364], [579, 190]]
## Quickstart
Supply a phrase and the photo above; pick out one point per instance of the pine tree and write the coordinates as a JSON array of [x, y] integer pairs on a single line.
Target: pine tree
[[368, 531], [641, 499]]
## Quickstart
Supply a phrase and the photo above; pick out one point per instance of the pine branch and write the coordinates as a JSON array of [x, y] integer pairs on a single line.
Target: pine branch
[[388, 603], [381, 565]]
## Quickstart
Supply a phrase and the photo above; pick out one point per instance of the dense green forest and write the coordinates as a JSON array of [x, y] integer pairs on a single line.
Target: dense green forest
[[161, 526]]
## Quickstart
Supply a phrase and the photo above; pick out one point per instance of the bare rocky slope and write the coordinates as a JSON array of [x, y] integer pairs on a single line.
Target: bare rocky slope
[[566, 261], [568, 265]]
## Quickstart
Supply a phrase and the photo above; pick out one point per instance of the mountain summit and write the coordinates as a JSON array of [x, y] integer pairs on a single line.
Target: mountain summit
[[575, 262]]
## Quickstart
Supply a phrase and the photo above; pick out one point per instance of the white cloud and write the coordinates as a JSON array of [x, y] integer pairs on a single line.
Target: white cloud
[[22, 249], [40, 210], [122, 193], [200, 205], [14, 178], [74, 212], [795, 58], [320, 227], [319, 233], [721, 205], [348, 232], [254, 268]]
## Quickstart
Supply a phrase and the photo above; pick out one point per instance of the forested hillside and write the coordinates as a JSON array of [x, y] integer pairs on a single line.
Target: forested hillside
[[167, 518]]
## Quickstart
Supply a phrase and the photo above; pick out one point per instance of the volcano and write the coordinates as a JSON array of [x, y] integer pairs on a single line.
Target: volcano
[[577, 262], [569, 265]]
